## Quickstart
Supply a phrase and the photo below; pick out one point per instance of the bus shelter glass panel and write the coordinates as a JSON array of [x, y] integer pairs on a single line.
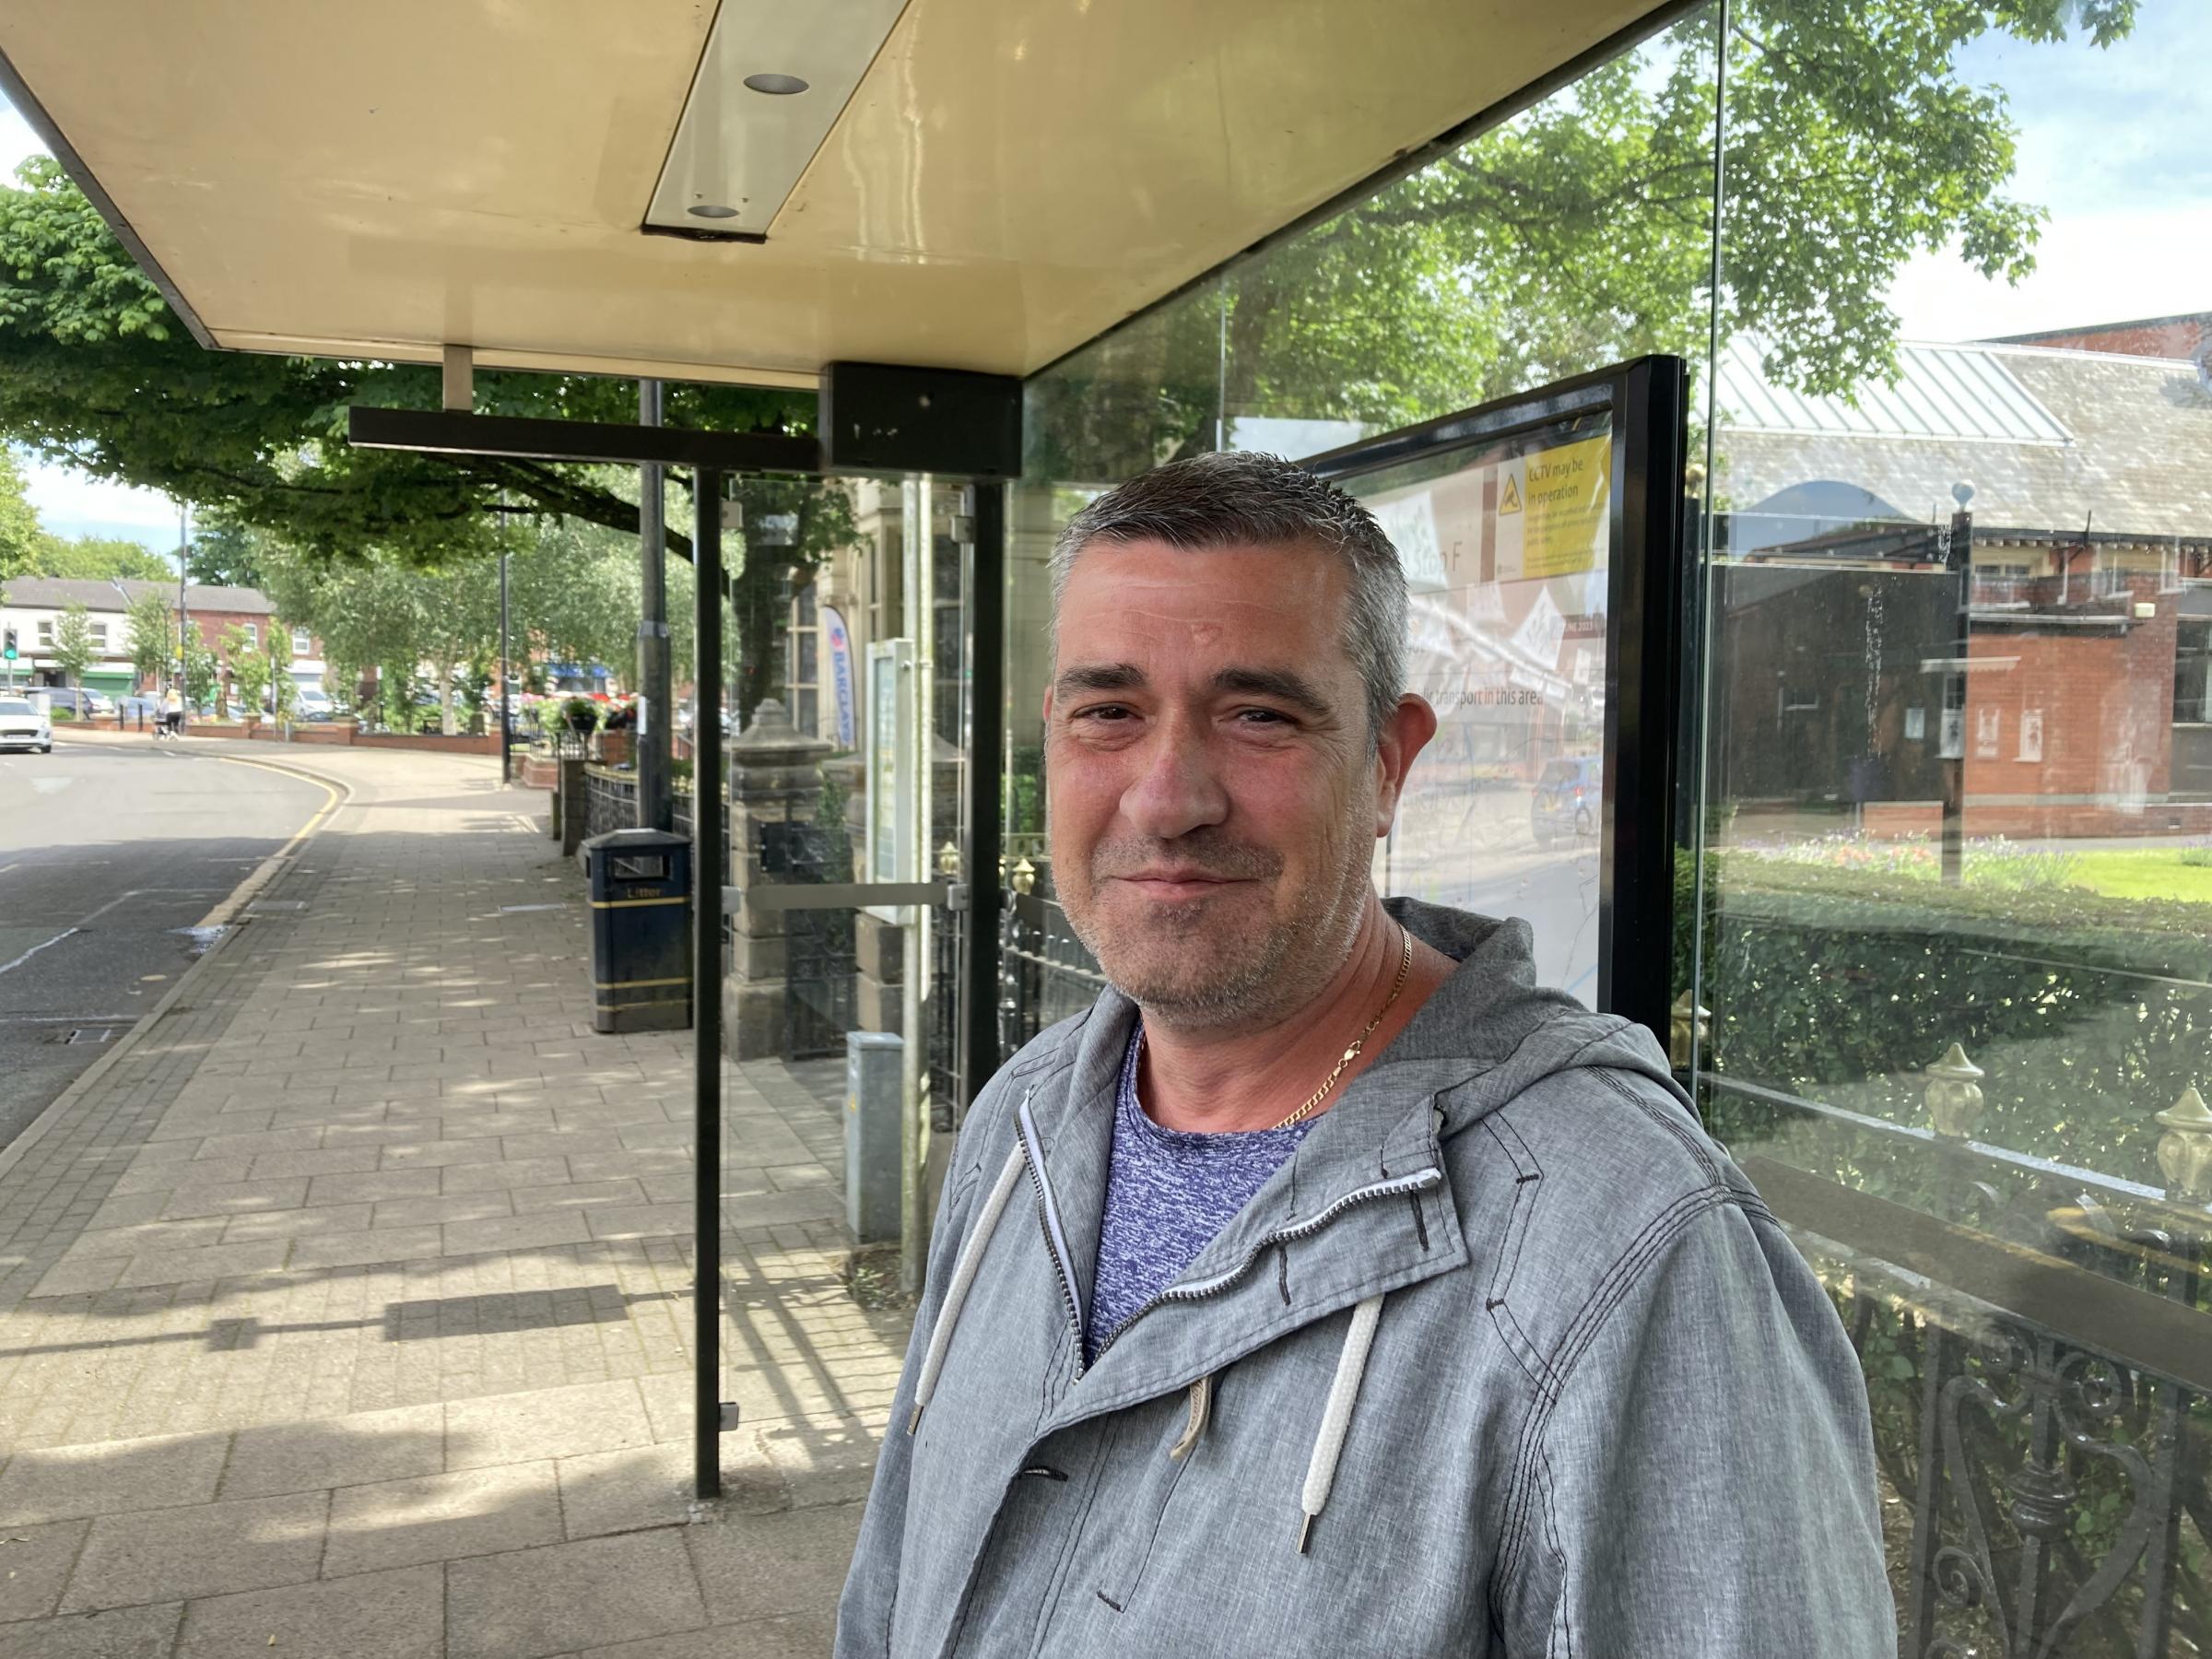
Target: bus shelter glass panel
[[1954, 958], [1507, 556], [841, 1013]]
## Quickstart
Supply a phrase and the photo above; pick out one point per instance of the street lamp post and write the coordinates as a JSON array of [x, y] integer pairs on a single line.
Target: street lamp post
[[183, 616], [506, 733]]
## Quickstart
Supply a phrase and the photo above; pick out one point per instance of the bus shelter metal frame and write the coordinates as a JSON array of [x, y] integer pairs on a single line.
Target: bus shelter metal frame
[[973, 432]]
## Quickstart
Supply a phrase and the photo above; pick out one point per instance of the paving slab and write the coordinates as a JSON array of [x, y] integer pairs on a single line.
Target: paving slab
[[801, 1637], [588, 1594], [753, 1567], [398, 1615], [441, 1517], [360, 1448], [35, 1562], [547, 1422], [127, 1633], [205, 1549], [58, 1483]]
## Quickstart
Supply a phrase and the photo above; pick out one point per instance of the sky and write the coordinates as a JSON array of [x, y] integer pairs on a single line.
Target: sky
[[2110, 144]]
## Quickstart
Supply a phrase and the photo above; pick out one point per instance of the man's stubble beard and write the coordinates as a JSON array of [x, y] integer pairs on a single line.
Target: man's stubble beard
[[1249, 986]]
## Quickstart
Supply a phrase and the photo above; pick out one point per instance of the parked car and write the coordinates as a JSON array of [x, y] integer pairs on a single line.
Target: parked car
[[81, 703], [25, 726], [1569, 794], [311, 703]]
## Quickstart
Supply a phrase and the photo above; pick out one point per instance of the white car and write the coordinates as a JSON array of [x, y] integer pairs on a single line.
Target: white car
[[24, 726]]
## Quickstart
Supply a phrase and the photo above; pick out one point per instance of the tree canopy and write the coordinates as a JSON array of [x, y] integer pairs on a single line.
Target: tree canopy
[[97, 371], [1580, 233]]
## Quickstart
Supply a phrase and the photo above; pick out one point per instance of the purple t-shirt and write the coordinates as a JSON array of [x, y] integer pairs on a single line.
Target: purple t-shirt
[[1169, 1193]]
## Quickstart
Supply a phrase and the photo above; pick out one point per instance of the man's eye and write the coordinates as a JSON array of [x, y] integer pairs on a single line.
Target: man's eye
[[1102, 711], [1262, 717]]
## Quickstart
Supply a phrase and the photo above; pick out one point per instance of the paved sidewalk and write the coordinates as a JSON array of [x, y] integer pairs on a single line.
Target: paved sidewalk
[[347, 1311]]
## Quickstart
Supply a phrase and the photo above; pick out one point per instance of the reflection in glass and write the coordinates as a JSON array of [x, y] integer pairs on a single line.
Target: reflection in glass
[[1954, 917], [1507, 555]]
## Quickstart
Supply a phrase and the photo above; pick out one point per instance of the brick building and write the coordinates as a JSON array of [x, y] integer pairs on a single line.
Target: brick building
[[34, 606], [2081, 480]]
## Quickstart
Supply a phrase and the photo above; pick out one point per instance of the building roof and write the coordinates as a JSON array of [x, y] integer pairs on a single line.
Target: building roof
[[58, 593], [2185, 334], [2049, 440]]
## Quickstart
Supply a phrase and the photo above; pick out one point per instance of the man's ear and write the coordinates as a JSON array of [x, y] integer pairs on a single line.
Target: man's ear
[[1399, 743]]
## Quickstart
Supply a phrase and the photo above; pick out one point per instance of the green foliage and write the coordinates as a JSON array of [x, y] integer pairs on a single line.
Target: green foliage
[[151, 634], [102, 558], [249, 666], [22, 542], [2089, 1014], [73, 650], [1580, 233], [256, 441], [224, 554], [203, 670]]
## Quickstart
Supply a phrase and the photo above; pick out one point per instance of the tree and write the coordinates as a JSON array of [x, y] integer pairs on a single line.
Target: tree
[[202, 670], [73, 648], [152, 635], [259, 440], [223, 555], [249, 667], [102, 558], [22, 541], [1580, 233]]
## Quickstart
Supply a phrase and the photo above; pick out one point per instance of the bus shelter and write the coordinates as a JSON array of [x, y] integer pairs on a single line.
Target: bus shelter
[[1781, 664]]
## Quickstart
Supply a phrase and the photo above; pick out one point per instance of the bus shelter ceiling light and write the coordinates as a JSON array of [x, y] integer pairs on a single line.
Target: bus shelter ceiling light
[[747, 135]]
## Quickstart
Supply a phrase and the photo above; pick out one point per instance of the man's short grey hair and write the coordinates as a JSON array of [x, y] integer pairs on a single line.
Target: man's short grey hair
[[1244, 498]]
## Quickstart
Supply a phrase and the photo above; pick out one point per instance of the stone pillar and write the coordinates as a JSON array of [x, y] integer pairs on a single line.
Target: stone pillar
[[775, 777]]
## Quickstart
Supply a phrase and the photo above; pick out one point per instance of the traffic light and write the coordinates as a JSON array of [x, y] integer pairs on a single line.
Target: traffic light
[[7, 648]]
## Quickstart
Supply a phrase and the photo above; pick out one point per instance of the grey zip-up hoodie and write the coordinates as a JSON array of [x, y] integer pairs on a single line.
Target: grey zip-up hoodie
[[1507, 1358]]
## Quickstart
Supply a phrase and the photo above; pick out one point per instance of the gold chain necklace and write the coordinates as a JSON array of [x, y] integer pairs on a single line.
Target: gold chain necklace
[[1352, 1054]]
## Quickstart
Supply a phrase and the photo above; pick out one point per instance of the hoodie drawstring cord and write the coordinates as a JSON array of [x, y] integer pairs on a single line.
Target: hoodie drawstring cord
[[963, 1276], [1336, 1418]]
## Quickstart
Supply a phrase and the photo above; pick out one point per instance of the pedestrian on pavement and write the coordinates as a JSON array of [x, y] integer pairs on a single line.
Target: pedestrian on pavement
[[172, 709], [1328, 1288]]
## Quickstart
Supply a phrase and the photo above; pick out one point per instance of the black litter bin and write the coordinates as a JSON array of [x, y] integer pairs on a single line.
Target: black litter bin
[[640, 930]]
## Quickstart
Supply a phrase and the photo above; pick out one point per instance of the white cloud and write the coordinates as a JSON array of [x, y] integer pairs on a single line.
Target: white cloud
[[17, 140], [69, 503], [2105, 267]]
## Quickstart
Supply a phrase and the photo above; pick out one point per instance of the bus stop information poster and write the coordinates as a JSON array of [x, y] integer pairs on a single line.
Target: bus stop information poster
[[1506, 553]]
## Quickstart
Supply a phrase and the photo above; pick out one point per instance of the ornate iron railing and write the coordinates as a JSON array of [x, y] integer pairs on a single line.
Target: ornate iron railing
[[1045, 974], [2038, 1356], [610, 800]]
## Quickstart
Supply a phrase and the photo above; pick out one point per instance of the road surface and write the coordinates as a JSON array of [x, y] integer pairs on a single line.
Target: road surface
[[110, 854]]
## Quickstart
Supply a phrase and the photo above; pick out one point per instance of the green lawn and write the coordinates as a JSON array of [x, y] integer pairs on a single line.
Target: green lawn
[[2154, 873]]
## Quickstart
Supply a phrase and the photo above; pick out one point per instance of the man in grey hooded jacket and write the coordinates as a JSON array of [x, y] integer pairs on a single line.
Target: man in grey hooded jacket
[[1328, 1289]]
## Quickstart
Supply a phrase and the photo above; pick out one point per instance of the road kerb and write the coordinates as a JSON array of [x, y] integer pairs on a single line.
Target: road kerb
[[339, 792], [262, 874]]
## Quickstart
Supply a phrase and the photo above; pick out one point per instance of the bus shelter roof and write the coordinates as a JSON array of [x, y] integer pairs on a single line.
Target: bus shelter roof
[[979, 184]]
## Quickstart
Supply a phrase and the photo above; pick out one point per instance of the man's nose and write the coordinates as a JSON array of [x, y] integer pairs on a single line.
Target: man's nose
[[1176, 789]]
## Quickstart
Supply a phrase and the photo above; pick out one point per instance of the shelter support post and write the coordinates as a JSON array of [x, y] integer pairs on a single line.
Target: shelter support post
[[708, 859], [656, 707], [986, 512]]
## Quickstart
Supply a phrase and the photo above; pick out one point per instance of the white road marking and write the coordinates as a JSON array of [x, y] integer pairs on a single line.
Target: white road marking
[[34, 950]]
